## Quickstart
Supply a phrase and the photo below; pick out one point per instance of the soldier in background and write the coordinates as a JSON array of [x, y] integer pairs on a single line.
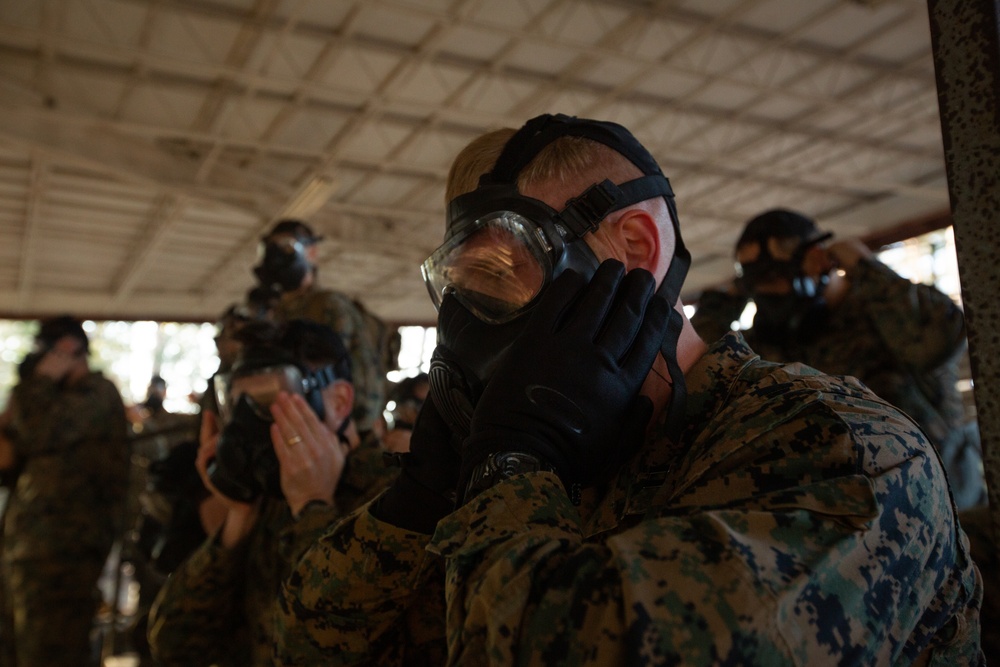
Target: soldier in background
[[159, 429], [288, 266], [834, 306], [67, 437], [405, 400], [280, 468], [154, 437], [227, 346]]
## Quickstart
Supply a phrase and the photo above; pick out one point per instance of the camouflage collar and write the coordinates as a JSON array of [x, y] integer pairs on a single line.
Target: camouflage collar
[[710, 382], [643, 481]]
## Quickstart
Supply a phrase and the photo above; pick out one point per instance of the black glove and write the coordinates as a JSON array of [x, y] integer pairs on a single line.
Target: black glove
[[424, 491], [568, 388]]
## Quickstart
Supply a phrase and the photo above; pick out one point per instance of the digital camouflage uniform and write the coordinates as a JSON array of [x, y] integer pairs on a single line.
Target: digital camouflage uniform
[[363, 335], [64, 514], [903, 340], [217, 607], [800, 520]]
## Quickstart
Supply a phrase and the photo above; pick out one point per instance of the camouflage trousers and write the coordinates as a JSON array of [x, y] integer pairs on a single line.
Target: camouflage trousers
[[52, 605]]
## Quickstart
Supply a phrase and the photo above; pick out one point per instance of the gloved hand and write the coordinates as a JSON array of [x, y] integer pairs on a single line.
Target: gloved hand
[[568, 387], [424, 491]]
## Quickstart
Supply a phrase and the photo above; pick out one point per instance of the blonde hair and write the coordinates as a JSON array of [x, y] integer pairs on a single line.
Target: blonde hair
[[476, 159], [567, 160], [570, 163]]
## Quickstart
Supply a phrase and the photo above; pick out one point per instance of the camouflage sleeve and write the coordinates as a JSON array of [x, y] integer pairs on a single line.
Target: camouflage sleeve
[[716, 312], [197, 616], [53, 421], [921, 325], [314, 519], [90, 421], [523, 587], [367, 593], [770, 581], [113, 469]]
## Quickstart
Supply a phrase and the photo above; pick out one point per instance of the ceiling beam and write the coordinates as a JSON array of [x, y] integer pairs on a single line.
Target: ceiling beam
[[32, 234], [657, 10], [167, 211], [202, 77], [93, 144]]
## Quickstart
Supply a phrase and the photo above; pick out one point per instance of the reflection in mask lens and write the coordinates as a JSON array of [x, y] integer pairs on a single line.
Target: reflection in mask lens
[[280, 245], [260, 387], [496, 270]]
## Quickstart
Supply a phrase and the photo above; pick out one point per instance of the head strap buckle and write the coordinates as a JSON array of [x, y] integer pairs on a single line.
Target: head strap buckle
[[583, 214]]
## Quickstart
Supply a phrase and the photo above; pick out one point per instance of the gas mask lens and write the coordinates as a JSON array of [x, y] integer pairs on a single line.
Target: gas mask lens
[[260, 386], [496, 267], [281, 246]]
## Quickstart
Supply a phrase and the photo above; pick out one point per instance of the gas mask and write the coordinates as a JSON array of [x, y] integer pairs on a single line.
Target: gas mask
[[245, 464], [784, 319], [796, 316], [282, 263], [465, 358], [502, 250]]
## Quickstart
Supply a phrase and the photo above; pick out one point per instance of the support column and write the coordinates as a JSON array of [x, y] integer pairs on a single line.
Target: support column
[[967, 63]]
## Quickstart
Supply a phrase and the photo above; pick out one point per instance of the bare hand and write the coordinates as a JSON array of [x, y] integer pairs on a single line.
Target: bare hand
[[240, 517], [66, 355], [848, 252], [311, 457]]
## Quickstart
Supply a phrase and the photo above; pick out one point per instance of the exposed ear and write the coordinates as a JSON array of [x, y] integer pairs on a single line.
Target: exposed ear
[[338, 399], [312, 253], [641, 237]]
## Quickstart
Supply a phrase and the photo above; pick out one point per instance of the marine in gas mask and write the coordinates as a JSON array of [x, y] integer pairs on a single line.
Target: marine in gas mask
[[282, 461], [651, 564], [245, 465], [784, 265], [287, 257], [831, 304], [287, 273]]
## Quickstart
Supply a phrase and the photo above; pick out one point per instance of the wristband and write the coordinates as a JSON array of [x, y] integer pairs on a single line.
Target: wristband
[[315, 502], [499, 466]]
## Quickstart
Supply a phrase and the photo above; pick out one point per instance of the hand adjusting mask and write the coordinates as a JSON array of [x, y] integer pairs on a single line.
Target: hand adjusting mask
[[502, 249], [245, 464]]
